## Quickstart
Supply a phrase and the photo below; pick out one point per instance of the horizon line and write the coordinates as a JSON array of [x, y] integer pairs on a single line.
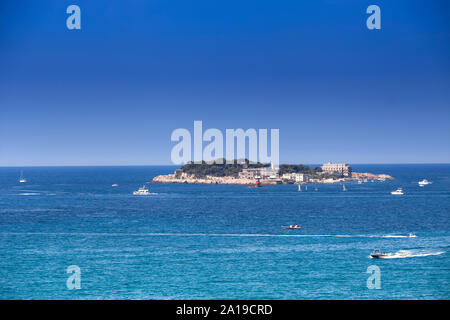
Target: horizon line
[[175, 165]]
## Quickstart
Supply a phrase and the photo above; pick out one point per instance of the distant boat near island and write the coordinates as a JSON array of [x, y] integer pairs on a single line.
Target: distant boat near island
[[424, 182], [142, 191], [399, 191]]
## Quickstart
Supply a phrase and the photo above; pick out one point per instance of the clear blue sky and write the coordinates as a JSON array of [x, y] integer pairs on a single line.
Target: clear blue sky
[[113, 92]]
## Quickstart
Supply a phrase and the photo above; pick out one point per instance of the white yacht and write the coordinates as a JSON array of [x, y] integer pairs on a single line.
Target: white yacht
[[143, 191], [22, 179], [424, 182], [399, 191]]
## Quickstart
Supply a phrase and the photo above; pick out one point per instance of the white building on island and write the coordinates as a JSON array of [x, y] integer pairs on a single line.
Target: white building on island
[[297, 177], [259, 173], [341, 169]]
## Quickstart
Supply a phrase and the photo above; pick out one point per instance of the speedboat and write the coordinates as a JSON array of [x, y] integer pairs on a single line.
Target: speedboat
[[424, 182], [115, 185], [292, 227], [143, 191], [377, 253], [399, 191], [412, 235]]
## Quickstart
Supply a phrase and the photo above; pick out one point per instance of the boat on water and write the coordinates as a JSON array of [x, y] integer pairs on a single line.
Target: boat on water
[[399, 191], [115, 185], [344, 188], [377, 253], [143, 191], [299, 187], [359, 181], [411, 235], [22, 179], [292, 227], [424, 182]]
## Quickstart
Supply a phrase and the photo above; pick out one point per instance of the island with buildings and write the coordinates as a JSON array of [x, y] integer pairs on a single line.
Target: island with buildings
[[247, 173]]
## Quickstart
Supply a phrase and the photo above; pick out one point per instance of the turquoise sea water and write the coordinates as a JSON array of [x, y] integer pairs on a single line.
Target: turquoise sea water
[[220, 241]]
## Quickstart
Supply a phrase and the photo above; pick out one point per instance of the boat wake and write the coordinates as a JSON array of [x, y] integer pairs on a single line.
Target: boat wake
[[389, 236], [411, 254]]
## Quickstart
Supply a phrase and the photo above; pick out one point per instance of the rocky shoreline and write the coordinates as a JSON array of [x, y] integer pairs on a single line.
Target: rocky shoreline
[[191, 179]]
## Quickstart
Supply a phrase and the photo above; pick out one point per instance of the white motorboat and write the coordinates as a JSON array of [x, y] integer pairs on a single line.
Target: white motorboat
[[143, 191], [292, 227], [399, 191], [424, 182]]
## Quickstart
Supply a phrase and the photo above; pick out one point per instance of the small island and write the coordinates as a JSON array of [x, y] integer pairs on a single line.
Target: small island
[[247, 173]]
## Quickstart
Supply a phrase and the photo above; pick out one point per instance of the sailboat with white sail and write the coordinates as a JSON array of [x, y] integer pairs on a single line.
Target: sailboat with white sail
[[22, 179]]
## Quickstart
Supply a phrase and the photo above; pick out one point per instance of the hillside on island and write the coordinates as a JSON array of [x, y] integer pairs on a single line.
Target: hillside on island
[[219, 168], [298, 168]]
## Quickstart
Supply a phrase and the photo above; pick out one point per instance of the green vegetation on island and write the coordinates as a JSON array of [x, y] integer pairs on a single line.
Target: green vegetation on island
[[219, 168], [298, 168]]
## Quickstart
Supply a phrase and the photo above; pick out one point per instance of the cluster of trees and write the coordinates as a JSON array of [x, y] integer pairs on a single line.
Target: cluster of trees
[[299, 168], [218, 168]]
